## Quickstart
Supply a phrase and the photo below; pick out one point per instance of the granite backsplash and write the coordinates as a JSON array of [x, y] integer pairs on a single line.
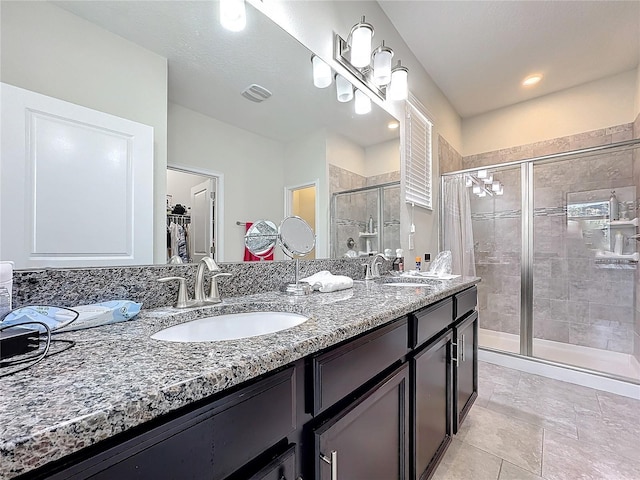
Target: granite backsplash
[[67, 287]]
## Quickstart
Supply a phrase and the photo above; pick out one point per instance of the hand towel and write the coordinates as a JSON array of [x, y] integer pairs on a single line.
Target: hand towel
[[326, 282], [250, 257]]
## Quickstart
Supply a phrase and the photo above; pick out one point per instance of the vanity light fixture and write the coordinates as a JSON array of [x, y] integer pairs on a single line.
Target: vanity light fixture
[[362, 103], [532, 80], [344, 89], [393, 125], [322, 75], [373, 69], [233, 15], [483, 183]]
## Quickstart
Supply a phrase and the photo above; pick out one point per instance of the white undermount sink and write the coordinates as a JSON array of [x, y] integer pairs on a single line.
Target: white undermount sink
[[231, 326]]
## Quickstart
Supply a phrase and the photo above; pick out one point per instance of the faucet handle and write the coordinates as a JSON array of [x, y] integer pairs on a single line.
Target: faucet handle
[[367, 274], [214, 294], [183, 295]]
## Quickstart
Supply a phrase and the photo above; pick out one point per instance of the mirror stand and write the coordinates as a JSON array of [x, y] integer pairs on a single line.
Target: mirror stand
[[296, 288]]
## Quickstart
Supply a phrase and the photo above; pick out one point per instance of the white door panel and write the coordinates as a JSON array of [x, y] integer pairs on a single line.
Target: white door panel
[[76, 184], [201, 227]]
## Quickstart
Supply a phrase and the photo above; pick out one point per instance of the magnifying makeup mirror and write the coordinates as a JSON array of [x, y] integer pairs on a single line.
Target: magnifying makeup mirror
[[297, 240]]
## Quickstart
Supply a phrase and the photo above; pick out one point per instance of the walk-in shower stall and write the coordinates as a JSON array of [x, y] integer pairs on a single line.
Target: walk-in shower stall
[[558, 263], [365, 221]]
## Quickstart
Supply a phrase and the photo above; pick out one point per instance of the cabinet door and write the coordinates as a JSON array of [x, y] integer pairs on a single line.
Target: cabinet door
[[466, 370], [369, 438], [431, 409], [283, 467]]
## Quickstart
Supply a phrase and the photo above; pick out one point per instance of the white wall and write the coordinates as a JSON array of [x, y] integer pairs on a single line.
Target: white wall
[[637, 103], [382, 158], [305, 161], [343, 153], [179, 186], [50, 51], [590, 106], [252, 166]]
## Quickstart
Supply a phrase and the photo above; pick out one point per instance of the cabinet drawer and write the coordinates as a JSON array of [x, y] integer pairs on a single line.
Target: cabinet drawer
[[465, 301], [429, 321], [210, 442], [341, 370], [283, 467]]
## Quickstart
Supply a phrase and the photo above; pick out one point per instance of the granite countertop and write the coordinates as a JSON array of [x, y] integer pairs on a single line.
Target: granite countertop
[[117, 377]]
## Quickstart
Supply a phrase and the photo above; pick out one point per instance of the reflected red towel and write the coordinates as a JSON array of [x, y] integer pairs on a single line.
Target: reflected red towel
[[250, 257]]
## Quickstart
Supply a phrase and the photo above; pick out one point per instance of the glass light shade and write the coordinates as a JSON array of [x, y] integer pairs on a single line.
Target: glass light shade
[[483, 173], [363, 103], [488, 180], [477, 189], [361, 35], [501, 191], [233, 15], [382, 65], [344, 89], [467, 181], [399, 88], [496, 186], [321, 72], [483, 193]]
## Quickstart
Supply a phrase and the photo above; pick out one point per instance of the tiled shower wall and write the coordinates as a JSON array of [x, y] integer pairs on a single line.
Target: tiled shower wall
[[353, 212], [575, 300]]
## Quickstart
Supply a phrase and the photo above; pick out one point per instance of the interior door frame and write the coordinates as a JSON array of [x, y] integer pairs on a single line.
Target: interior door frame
[[288, 203], [218, 205]]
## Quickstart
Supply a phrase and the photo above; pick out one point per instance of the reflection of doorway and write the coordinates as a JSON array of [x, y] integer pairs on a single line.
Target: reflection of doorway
[[300, 200], [195, 195]]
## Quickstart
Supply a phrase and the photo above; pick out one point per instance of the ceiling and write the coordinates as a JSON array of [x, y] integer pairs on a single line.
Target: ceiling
[[209, 67], [478, 52]]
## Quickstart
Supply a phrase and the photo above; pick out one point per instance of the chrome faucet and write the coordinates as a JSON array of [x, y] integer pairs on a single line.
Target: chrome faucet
[[373, 270], [200, 298]]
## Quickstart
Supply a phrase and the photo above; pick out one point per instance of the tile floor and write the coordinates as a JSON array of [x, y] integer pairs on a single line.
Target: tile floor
[[526, 427]]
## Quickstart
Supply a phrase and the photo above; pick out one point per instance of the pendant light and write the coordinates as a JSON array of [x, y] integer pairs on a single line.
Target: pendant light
[[399, 88], [344, 89], [233, 15], [361, 35], [382, 64], [362, 103], [322, 76]]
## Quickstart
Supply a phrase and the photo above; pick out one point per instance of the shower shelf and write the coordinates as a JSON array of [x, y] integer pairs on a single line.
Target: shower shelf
[[624, 223], [367, 234]]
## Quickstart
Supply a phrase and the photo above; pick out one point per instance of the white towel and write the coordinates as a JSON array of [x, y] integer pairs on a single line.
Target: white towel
[[326, 282]]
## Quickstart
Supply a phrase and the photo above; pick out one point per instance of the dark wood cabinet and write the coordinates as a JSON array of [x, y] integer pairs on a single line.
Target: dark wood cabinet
[[465, 368], [431, 405], [367, 439], [283, 467]]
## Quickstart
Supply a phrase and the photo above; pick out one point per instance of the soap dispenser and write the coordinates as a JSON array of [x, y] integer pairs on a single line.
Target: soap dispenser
[[613, 207]]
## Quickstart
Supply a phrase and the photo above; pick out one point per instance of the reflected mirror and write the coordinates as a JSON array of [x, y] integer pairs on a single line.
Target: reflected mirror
[[172, 66], [261, 238], [296, 237]]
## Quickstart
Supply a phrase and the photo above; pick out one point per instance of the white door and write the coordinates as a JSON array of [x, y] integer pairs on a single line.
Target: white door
[[76, 185], [201, 231]]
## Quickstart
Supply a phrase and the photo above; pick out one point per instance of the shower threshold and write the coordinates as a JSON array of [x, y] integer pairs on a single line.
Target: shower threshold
[[614, 363]]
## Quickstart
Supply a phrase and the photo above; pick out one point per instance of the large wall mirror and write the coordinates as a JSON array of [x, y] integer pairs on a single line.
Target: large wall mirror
[[171, 65]]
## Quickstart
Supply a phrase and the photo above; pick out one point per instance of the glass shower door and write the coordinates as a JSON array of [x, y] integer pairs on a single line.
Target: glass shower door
[[496, 221]]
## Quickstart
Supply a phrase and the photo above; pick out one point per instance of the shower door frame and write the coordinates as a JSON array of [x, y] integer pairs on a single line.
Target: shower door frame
[[527, 256]]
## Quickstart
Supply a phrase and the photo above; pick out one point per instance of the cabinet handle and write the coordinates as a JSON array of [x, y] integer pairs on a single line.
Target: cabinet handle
[[454, 358], [462, 347], [333, 461]]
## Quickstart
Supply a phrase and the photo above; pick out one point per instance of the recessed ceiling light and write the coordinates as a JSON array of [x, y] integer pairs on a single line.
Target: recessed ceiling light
[[393, 125], [532, 80]]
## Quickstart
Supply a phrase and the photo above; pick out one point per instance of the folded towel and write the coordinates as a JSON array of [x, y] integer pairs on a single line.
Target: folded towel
[[326, 282], [441, 276]]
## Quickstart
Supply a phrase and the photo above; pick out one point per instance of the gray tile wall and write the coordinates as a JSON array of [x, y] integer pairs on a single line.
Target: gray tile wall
[[575, 300], [450, 160]]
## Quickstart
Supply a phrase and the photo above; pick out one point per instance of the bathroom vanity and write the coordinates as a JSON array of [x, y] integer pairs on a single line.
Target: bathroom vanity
[[372, 386]]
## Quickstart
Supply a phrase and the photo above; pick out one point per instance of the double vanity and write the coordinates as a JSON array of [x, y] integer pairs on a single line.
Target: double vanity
[[372, 385]]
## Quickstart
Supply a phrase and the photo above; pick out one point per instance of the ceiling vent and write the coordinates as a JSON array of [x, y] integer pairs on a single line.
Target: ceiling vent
[[256, 93]]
